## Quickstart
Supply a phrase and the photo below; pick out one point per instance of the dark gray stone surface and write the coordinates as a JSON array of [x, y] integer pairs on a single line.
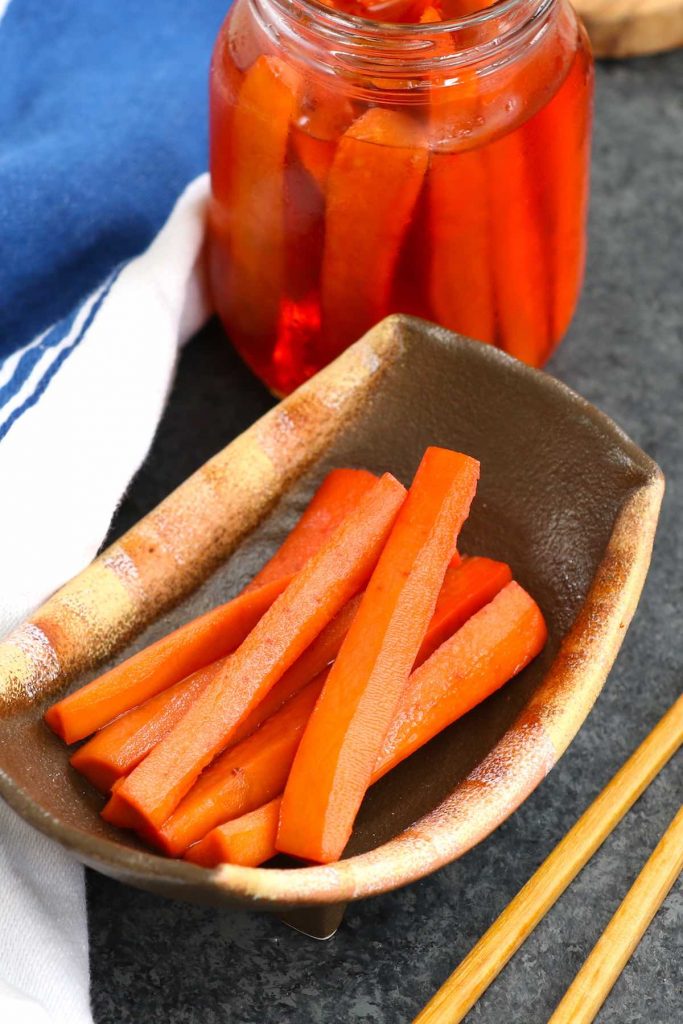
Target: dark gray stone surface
[[156, 961]]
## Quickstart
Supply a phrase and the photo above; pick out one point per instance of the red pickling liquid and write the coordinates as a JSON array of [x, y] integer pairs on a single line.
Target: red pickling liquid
[[483, 232]]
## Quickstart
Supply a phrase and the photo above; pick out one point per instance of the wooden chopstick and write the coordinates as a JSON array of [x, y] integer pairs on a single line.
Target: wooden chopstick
[[593, 983], [485, 961]]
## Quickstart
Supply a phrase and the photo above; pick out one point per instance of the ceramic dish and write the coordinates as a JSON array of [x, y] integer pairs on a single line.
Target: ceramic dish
[[565, 497]]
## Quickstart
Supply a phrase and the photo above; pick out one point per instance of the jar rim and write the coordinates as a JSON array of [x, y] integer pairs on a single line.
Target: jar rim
[[404, 56], [373, 27]]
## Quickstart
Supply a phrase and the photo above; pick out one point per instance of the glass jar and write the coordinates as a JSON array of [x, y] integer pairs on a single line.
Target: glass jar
[[360, 168]]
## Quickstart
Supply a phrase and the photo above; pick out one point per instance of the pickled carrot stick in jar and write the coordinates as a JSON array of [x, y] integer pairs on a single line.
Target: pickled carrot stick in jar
[[226, 81], [304, 229], [322, 116], [519, 255], [372, 190], [320, 119], [430, 16], [460, 275], [461, 284], [253, 215], [563, 130], [315, 155]]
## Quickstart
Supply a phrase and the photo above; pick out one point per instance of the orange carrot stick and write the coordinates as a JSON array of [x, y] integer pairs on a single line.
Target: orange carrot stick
[[333, 766], [466, 588], [315, 155], [255, 221], [117, 812], [323, 116], [337, 496], [520, 271], [115, 750], [315, 595], [372, 189], [243, 777], [310, 664], [460, 281], [248, 840], [562, 130], [430, 15], [496, 643], [226, 80], [191, 647], [492, 647]]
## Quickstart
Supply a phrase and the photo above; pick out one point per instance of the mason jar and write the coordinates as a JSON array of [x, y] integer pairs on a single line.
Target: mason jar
[[360, 168]]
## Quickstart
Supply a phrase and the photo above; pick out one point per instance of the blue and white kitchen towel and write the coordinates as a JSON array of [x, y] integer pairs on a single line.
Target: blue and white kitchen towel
[[103, 142]]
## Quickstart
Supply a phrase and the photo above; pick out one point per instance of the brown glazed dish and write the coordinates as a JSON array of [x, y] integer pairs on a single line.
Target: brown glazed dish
[[565, 497]]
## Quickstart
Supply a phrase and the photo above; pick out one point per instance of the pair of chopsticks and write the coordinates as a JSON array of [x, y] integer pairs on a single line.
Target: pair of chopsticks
[[594, 981]]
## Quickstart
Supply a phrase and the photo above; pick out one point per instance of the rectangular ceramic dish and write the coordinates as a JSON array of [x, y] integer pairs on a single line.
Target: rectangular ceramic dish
[[564, 497]]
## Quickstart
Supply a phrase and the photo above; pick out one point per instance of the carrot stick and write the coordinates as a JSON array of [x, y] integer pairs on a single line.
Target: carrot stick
[[466, 588], [430, 15], [243, 777], [333, 766], [115, 750], [191, 647], [491, 647], [337, 496], [226, 80], [310, 664], [315, 595], [520, 272], [315, 155], [255, 223], [562, 132], [460, 283], [461, 287], [304, 237], [372, 188], [496, 643], [322, 117], [117, 812], [248, 840]]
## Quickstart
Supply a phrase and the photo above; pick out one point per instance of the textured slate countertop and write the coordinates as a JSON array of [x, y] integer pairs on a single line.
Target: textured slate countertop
[[157, 961]]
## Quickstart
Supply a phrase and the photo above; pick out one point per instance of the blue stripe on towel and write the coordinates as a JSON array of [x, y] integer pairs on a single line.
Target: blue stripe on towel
[[61, 330], [33, 353]]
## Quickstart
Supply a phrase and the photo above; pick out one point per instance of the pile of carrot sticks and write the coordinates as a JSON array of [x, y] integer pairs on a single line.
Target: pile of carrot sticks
[[258, 727]]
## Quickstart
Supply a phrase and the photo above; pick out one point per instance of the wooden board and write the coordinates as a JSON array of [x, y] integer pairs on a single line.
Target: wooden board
[[628, 28]]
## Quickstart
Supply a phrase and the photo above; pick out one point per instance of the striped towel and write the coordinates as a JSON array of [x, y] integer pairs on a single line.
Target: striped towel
[[103, 142]]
